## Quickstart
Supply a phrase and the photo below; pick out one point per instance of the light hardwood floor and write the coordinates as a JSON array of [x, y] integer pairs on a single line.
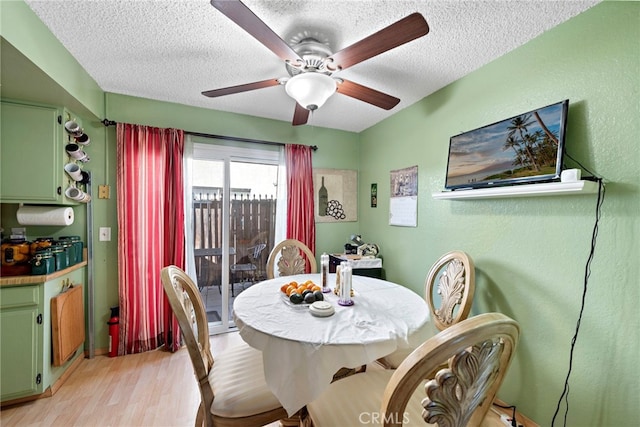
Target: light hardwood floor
[[151, 389], [156, 388]]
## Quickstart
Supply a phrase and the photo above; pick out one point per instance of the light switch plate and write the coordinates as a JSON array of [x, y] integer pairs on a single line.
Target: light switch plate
[[105, 234], [103, 191]]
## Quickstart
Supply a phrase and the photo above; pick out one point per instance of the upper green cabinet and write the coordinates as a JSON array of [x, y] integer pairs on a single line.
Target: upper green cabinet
[[32, 154]]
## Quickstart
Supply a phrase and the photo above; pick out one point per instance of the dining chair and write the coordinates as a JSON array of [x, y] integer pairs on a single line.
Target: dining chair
[[477, 352], [449, 290], [245, 270], [233, 390], [206, 272], [288, 257]]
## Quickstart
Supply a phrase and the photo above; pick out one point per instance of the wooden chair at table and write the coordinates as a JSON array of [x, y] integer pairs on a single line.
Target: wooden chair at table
[[236, 379], [245, 270], [452, 277], [289, 257], [477, 353]]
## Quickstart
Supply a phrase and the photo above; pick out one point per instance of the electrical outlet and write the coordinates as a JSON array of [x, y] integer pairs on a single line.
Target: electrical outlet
[[105, 234], [103, 191], [508, 421]]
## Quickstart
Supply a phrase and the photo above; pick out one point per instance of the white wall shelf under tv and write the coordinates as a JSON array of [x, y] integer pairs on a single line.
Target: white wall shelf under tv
[[524, 190]]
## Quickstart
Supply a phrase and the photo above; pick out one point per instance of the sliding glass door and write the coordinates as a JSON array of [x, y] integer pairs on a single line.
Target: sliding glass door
[[233, 200]]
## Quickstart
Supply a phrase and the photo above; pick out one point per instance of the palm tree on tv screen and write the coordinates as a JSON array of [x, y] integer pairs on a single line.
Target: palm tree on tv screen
[[520, 125]]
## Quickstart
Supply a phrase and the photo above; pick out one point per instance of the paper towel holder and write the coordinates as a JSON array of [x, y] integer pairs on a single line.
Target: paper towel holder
[[65, 220]]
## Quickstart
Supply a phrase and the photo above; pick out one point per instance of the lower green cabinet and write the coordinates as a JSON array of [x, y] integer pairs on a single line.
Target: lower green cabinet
[[26, 365], [20, 342]]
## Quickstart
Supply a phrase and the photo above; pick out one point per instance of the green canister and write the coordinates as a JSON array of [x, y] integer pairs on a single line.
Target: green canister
[[78, 247], [60, 256], [43, 262], [70, 251]]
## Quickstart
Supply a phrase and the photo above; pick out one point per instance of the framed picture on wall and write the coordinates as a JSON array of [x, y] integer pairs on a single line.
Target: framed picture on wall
[[335, 195], [403, 203]]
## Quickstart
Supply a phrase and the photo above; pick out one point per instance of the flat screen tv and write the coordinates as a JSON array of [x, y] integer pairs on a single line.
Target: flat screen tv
[[523, 149]]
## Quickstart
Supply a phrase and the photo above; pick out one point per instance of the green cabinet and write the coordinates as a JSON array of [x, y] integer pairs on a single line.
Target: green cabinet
[[20, 341], [32, 154], [26, 363]]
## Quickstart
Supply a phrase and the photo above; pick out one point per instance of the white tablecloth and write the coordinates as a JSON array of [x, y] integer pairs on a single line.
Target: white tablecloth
[[301, 353]]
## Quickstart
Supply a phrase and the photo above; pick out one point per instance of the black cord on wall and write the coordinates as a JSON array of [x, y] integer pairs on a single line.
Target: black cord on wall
[[587, 273], [581, 165]]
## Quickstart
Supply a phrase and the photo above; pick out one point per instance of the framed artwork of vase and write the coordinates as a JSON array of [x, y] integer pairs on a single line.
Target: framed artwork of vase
[[335, 195]]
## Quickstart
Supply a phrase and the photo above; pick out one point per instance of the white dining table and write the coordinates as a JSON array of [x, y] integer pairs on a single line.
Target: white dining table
[[301, 352]]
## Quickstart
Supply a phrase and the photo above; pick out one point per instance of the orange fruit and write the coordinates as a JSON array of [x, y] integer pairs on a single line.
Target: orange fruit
[[290, 290], [284, 287], [316, 288], [301, 289], [294, 283]]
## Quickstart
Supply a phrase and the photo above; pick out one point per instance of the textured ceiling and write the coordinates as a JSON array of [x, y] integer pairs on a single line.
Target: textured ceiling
[[172, 50]]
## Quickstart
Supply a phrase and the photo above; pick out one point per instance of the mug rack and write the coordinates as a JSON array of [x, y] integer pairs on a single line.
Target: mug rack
[[77, 141]]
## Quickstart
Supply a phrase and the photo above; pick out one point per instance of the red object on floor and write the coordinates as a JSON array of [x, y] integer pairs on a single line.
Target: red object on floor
[[114, 334]]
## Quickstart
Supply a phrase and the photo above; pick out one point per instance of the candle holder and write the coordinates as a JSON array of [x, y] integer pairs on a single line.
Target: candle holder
[[324, 272], [345, 286]]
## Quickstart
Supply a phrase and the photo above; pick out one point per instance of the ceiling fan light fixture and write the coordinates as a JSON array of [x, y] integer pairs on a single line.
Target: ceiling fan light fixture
[[311, 89]]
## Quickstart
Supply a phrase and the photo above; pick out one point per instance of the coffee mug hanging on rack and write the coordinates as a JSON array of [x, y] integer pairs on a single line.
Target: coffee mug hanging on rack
[[78, 195], [74, 172], [73, 128], [77, 132], [83, 139], [76, 152]]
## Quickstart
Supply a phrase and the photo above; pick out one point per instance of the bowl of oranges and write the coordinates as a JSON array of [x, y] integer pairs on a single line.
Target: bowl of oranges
[[301, 293]]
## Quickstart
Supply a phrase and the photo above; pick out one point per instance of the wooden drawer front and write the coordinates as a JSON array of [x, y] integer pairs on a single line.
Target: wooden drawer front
[[19, 296]]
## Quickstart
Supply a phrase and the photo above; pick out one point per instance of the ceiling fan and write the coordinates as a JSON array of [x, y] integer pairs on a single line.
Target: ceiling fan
[[311, 64]]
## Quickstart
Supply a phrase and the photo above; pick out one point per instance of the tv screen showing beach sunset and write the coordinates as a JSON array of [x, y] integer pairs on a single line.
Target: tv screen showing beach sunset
[[523, 147]]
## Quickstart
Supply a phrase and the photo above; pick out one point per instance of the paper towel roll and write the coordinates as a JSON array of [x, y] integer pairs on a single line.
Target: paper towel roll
[[44, 215]]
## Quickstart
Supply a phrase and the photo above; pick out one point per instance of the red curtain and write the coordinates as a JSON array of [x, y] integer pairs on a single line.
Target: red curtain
[[150, 206], [300, 212]]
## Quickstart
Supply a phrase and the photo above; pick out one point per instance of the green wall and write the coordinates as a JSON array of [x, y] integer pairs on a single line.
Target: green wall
[[530, 253], [24, 30]]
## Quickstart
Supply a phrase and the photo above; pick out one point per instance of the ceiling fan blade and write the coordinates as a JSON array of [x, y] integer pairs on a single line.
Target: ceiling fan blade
[[399, 33], [300, 115], [248, 21], [366, 94], [240, 88]]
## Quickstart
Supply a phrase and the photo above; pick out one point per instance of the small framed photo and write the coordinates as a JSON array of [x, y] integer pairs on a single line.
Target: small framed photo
[[374, 195]]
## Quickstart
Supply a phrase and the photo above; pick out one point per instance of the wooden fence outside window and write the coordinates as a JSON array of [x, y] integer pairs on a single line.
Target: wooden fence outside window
[[252, 222]]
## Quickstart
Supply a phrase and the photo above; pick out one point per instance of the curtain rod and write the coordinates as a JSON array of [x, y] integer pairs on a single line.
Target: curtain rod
[[107, 122]]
